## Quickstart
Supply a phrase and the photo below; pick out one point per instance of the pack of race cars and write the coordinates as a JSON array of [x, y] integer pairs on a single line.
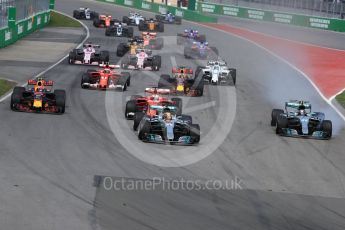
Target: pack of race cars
[[157, 116]]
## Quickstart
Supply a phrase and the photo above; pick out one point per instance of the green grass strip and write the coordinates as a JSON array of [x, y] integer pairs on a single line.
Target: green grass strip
[[341, 98], [5, 86], [59, 20]]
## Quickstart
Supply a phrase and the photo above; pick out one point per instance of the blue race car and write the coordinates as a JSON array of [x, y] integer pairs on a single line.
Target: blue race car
[[169, 18], [200, 50], [189, 36], [298, 121]]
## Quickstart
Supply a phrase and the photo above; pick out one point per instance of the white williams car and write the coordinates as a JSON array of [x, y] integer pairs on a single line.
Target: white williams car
[[217, 73], [133, 19], [84, 13]]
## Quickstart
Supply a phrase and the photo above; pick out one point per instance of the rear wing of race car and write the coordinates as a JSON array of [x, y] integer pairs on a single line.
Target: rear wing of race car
[[85, 45], [185, 70], [220, 62], [152, 34], [296, 104], [158, 91], [147, 51], [109, 66], [44, 82]]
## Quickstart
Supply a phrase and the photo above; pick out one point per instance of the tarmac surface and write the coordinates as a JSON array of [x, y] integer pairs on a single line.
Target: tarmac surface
[[53, 168]]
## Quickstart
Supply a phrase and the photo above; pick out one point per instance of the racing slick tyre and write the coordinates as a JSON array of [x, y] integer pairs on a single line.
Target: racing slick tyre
[[96, 22], [178, 103], [187, 118], [125, 19], [76, 14], [138, 116], [60, 98], [142, 26], [160, 27], [282, 122], [156, 62], [199, 85], [121, 50], [107, 32], [326, 127], [93, 15], [195, 133], [233, 74], [197, 71], [202, 38], [127, 75], [144, 130], [178, 20], [71, 57], [131, 107], [85, 79], [16, 96], [130, 32], [104, 56], [274, 116], [164, 81], [159, 18]]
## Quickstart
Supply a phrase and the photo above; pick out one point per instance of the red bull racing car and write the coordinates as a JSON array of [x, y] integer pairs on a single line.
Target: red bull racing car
[[182, 82], [38, 97]]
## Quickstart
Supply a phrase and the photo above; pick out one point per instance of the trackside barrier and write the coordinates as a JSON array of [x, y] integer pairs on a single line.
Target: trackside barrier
[[271, 16], [22, 28], [158, 8]]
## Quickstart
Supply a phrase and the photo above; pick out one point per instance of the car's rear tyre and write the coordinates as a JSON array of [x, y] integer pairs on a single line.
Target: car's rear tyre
[[121, 50], [233, 74], [85, 79], [60, 98], [131, 107], [125, 19], [282, 123], [195, 133], [142, 26], [145, 129], [130, 32], [178, 20], [160, 27], [187, 118], [156, 62], [274, 116], [137, 119], [327, 128], [16, 96]]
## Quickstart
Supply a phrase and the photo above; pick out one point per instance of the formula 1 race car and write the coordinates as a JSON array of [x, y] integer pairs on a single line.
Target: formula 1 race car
[[38, 97], [182, 82], [133, 45], [133, 19], [142, 60], [151, 25], [217, 73], [200, 50], [151, 41], [106, 78], [161, 124], [104, 21], [89, 54], [298, 121], [119, 30], [85, 13], [189, 36], [156, 96], [169, 18]]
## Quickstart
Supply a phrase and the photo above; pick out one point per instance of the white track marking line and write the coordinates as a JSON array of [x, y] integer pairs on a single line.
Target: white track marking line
[[328, 101], [3, 98]]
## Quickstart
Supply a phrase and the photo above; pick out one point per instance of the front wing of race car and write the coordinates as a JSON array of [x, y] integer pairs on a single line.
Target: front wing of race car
[[320, 135]]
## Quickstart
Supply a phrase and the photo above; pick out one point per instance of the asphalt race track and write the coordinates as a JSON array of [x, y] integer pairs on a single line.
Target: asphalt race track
[[53, 168]]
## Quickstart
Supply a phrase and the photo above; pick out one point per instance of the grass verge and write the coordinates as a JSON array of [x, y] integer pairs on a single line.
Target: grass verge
[[341, 98], [59, 20], [5, 86]]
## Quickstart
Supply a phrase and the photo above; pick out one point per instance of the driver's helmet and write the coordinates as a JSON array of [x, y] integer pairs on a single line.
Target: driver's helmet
[[167, 116], [89, 49], [301, 110], [135, 43], [155, 97], [106, 71]]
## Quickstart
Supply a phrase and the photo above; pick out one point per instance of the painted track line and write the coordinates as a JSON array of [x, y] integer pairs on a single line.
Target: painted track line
[[7, 95]]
